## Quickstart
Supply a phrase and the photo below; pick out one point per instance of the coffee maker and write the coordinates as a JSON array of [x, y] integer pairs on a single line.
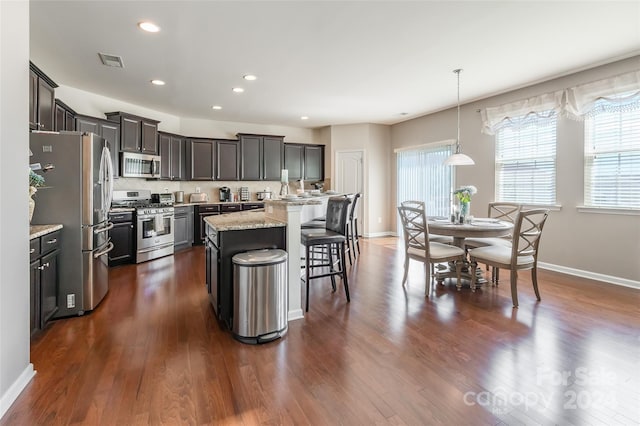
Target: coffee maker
[[225, 193]]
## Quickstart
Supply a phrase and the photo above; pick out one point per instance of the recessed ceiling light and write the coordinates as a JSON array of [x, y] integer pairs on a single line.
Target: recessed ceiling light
[[149, 27], [216, 107], [238, 89], [158, 82], [250, 77], [304, 117]]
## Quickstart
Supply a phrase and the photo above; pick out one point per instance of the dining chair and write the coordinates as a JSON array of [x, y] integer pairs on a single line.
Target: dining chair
[[522, 254], [417, 247], [432, 237], [334, 237]]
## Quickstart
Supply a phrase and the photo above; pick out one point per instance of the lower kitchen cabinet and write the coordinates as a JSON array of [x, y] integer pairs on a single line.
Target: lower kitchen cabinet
[[44, 280], [183, 227], [123, 237]]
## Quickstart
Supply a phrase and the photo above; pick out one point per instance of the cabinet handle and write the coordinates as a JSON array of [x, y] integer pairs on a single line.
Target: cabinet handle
[[55, 240], [42, 267], [131, 226], [32, 251]]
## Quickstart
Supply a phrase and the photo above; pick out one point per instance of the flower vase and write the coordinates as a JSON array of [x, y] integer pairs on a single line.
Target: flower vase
[[465, 207], [32, 207]]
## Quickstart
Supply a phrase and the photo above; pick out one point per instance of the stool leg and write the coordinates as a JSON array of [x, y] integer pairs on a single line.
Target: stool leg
[[353, 236], [306, 275], [331, 268], [349, 247], [355, 221], [344, 273]]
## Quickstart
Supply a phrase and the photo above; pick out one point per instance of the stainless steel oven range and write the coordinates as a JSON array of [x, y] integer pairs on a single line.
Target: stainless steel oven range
[[154, 222]]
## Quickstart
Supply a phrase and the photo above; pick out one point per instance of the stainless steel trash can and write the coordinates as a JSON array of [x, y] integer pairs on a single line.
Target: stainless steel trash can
[[260, 295]]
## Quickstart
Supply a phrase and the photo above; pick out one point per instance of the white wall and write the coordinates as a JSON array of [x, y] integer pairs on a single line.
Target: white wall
[[15, 369], [605, 244]]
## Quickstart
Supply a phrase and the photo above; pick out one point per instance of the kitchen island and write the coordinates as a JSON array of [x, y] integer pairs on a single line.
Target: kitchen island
[[284, 219]]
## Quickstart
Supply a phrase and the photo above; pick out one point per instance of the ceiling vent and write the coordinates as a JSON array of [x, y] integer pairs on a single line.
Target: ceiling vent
[[111, 60]]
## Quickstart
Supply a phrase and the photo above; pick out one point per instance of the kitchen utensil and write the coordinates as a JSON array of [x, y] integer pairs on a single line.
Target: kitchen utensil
[[179, 196], [198, 197]]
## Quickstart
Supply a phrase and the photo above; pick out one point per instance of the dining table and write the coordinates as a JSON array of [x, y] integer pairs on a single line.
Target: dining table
[[474, 228]]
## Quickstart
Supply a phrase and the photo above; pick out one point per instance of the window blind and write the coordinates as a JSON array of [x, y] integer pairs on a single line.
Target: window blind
[[612, 156], [526, 160], [421, 176]]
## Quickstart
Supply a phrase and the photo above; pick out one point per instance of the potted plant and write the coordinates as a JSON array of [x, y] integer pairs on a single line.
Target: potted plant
[[35, 181]]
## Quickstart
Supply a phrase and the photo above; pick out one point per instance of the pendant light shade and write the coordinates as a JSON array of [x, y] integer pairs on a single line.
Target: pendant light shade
[[458, 158]]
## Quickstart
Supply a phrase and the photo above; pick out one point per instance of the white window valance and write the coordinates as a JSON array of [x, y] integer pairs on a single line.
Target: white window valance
[[520, 113], [620, 91]]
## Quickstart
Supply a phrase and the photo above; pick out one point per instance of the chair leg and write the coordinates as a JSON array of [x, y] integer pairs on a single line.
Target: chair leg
[[514, 288], [344, 273], [472, 270], [534, 280], [496, 272], [355, 227], [427, 284], [306, 279], [354, 237], [331, 268], [406, 268]]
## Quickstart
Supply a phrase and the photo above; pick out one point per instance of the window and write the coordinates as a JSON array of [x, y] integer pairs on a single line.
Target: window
[[423, 177], [612, 155], [526, 160]]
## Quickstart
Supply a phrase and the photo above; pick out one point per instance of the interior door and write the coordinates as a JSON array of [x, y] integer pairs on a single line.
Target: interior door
[[350, 179]]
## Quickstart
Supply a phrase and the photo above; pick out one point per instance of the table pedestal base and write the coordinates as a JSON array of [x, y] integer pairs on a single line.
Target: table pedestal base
[[449, 271]]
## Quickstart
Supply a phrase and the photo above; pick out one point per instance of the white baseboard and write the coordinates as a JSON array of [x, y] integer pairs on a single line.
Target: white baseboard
[[296, 314], [380, 234], [590, 275], [14, 391]]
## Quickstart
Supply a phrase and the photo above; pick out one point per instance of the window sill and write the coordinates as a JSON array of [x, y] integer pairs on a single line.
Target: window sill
[[609, 210], [551, 207]]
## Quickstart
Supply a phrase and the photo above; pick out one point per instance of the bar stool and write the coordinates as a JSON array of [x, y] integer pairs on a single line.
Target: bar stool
[[334, 236]]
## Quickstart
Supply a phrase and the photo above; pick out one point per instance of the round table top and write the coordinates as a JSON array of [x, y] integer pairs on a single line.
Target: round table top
[[478, 228]]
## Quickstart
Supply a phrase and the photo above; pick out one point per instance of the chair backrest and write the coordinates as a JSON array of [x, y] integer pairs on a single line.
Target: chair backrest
[[526, 235], [337, 211], [415, 229], [413, 203], [504, 211], [354, 203]]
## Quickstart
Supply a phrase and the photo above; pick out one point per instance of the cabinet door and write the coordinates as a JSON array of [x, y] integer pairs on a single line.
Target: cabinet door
[[227, 154], [34, 297], [177, 158], [313, 163], [272, 158], [200, 159], [293, 160], [251, 164], [130, 135], [149, 137], [45, 105], [87, 124], [110, 131], [164, 148], [60, 118], [122, 237], [33, 100], [48, 287], [180, 230], [69, 120]]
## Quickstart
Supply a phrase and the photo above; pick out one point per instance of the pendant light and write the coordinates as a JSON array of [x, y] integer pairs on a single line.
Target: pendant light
[[458, 158]]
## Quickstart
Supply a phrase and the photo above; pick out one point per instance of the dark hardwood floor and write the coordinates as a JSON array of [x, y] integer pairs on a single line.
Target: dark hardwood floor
[[152, 353]]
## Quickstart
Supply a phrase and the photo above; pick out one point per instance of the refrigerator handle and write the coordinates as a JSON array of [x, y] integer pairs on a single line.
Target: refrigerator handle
[[108, 177], [105, 251], [104, 229]]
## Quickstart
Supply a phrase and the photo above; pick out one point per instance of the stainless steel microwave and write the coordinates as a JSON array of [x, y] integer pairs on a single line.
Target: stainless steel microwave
[[140, 165]]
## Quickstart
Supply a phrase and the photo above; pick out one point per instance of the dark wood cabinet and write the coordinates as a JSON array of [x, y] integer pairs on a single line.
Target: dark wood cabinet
[[64, 117], [137, 134], [199, 159], [172, 152], [44, 280], [260, 157], [183, 227], [109, 130], [123, 238], [304, 161], [227, 159], [41, 100]]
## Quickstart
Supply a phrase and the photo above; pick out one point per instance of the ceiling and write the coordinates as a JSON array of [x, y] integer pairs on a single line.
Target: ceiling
[[336, 62]]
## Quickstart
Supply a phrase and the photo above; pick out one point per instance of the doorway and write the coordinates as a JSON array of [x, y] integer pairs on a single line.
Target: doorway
[[350, 179]]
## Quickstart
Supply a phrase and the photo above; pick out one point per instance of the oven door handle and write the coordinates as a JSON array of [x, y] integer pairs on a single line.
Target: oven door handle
[[105, 251], [103, 229]]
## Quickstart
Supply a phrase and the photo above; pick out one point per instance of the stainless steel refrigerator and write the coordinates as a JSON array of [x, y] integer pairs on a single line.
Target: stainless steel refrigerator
[[77, 193]]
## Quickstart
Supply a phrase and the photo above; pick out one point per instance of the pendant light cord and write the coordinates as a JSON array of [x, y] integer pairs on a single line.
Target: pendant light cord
[[458, 71]]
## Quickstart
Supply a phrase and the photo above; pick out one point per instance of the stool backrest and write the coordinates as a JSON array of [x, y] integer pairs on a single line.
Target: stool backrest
[[354, 205], [337, 211]]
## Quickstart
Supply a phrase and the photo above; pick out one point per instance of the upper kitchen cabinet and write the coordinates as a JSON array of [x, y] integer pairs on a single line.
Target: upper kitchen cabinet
[[109, 130], [41, 99], [260, 157], [200, 154], [304, 161], [64, 117], [137, 134], [172, 152], [228, 160]]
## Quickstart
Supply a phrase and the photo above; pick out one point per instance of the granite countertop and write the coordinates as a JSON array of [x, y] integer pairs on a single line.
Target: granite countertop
[[303, 201], [242, 220], [36, 231]]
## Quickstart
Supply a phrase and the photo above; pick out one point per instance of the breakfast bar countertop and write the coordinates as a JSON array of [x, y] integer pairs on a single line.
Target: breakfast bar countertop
[[243, 220], [36, 231]]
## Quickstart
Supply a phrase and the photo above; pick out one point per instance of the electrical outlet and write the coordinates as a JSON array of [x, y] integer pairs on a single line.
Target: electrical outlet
[[197, 189], [71, 300]]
